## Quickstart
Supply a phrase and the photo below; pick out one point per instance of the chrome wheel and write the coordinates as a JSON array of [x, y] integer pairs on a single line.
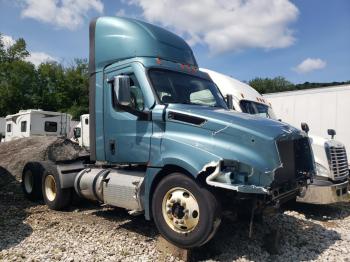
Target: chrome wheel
[[180, 210], [50, 188], [28, 181]]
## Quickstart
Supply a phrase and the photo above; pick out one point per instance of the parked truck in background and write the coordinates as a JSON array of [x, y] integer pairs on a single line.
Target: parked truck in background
[[157, 147], [81, 133], [36, 122], [2, 128], [331, 181]]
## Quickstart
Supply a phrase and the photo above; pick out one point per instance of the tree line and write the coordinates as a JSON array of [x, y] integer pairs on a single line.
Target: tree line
[[281, 84], [50, 86], [55, 87]]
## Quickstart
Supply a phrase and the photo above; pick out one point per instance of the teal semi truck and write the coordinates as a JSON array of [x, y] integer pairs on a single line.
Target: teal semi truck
[[164, 143]]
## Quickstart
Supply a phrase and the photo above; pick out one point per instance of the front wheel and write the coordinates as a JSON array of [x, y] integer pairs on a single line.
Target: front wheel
[[185, 213]]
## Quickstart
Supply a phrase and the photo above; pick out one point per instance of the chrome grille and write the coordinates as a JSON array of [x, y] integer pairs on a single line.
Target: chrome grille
[[338, 162]]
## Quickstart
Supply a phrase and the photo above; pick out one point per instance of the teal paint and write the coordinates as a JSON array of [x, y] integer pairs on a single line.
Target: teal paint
[[127, 46]]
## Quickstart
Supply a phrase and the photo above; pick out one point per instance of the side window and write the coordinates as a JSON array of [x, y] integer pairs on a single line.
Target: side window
[[137, 99], [24, 126], [8, 128], [50, 126], [86, 121]]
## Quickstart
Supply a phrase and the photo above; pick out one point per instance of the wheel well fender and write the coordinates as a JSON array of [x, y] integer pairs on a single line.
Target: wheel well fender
[[154, 181]]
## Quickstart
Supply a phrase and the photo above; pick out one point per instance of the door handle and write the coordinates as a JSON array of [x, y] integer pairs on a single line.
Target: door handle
[[112, 146]]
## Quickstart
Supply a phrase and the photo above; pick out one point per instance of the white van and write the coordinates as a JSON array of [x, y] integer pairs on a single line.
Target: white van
[[36, 122], [331, 182]]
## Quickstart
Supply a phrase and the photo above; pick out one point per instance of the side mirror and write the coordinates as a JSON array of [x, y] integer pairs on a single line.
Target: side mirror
[[229, 101], [122, 89], [331, 132], [77, 132], [305, 127]]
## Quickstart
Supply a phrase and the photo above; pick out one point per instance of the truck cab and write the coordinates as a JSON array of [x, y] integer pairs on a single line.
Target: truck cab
[[331, 181], [163, 141]]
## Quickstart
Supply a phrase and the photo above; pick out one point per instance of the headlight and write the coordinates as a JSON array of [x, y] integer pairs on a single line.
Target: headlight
[[322, 171]]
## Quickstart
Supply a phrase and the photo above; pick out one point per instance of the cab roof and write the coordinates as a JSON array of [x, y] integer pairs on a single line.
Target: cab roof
[[114, 38], [232, 86]]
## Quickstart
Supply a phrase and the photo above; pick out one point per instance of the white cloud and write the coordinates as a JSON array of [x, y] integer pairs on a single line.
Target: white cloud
[[68, 14], [310, 64], [7, 41], [120, 12], [39, 57], [34, 57], [226, 25]]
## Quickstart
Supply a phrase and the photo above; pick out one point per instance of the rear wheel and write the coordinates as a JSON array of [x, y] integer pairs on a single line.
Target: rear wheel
[[185, 213], [31, 181], [55, 197]]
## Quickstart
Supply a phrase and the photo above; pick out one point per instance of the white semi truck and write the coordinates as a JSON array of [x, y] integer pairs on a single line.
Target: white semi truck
[[331, 183], [36, 122]]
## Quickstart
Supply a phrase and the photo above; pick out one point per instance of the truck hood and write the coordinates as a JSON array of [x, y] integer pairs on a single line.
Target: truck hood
[[230, 122]]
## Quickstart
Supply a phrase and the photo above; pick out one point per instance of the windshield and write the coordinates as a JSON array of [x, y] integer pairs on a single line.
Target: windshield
[[180, 88], [254, 108]]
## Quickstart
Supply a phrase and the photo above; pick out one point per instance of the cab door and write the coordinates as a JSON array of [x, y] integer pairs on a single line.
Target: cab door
[[127, 131]]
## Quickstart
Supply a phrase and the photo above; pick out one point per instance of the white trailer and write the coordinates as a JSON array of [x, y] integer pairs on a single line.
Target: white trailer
[[330, 184], [82, 132], [2, 128], [321, 108], [36, 122]]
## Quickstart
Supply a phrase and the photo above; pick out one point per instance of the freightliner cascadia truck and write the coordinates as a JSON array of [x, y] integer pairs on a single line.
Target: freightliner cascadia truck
[[330, 184], [157, 149]]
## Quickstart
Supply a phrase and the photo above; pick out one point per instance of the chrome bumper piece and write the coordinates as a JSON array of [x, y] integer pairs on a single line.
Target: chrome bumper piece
[[325, 192]]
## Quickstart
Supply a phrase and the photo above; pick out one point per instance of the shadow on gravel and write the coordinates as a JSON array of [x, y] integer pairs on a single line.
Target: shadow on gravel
[[12, 211], [137, 224], [322, 212], [301, 240]]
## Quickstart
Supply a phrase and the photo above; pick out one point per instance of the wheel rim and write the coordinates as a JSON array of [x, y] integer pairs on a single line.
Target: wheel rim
[[180, 210], [28, 181], [50, 188]]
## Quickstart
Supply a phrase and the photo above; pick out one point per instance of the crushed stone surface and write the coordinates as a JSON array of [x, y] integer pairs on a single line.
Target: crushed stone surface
[[15, 154]]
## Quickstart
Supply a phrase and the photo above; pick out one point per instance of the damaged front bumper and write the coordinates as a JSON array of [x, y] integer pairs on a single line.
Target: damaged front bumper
[[323, 192], [281, 193]]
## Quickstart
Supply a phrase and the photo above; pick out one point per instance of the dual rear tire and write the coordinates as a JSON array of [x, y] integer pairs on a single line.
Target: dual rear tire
[[40, 180]]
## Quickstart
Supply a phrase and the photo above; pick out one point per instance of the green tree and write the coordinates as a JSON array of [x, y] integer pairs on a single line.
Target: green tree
[[271, 85], [17, 78]]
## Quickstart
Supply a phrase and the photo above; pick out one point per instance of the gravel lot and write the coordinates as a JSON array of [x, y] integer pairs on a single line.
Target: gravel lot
[[31, 232]]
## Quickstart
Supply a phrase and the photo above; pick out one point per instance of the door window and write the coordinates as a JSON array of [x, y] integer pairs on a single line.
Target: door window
[[24, 126]]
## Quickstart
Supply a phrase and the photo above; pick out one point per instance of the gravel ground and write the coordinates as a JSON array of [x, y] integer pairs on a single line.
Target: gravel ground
[[31, 232]]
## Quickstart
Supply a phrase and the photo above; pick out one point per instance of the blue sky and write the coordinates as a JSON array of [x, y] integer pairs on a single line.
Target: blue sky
[[300, 40]]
